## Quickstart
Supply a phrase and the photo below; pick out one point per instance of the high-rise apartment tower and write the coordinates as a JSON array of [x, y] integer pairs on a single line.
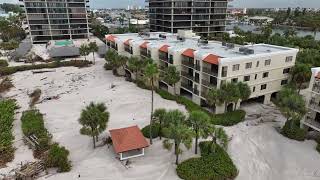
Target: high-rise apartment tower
[[56, 19]]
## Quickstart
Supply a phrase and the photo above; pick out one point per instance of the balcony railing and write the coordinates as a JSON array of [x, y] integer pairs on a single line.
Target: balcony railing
[[191, 65], [187, 86], [164, 58], [208, 84], [187, 75], [312, 122], [209, 71]]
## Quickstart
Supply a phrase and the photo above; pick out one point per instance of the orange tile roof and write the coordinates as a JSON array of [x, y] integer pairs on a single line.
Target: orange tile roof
[[127, 42], [144, 45], [188, 53], [111, 38], [126, 139], [318, 75], [212, 59], [164, 48]]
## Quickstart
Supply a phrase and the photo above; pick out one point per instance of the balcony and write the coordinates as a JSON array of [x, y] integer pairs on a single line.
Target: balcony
[[187, 75], [191, 65], [187, 86], [163, 57], [208, 84], [311, 122], [209, 71]]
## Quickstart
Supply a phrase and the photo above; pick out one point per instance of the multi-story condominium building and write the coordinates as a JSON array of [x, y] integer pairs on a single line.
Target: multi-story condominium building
[[56, 19], [205, 17], [312, 118], [204, 65]]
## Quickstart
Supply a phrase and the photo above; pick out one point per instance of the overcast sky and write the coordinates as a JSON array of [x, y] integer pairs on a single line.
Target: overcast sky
[[236, 3]]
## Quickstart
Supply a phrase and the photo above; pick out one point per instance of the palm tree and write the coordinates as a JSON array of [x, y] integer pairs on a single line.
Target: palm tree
[[229, 93], [93, 48], [84, 51], [151, 73], [114, 60], [159, 115], [199, 121], [172, 76], [214, 97], [290, 32], [94, 119], [244, 91], [218, 135], [135, 65], [300, 74], [177, 131]]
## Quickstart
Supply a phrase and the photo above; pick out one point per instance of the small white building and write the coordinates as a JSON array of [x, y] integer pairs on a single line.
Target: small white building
[[128, 142]]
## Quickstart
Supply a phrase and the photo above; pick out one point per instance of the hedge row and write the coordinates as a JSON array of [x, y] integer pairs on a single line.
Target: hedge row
[[3, 63], [33, 124], [292, 130], [211, 165], [56, 64], [225, 119], [7, 108], [229, 118]]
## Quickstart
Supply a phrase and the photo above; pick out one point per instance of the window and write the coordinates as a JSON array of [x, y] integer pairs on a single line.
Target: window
[[224, 71], [255, 76], [253, 89], [257, 64], [267, 62], [235, 67], [246, 78], [234, 80], [248, 65], [286, 70], [289, 58], [263, 86], [284, 82], [265, 74]]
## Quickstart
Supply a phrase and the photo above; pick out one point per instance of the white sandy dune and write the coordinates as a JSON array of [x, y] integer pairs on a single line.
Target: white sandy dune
[[259, 151]]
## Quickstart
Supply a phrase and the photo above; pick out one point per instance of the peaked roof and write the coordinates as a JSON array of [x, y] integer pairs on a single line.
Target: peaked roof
[[126, 139], [212, 59], [164, 48], [188, 53], [144, 45], [127, 42], [111, 38]]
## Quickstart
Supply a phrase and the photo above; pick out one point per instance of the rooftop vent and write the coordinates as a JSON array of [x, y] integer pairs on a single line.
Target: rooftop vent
[[162, 36], [224, 43], [180, 38], [242, 49], [230, 45], [203, 42], [249, 51]]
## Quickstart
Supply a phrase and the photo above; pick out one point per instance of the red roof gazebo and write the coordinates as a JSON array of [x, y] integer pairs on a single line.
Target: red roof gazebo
[[128, 142]]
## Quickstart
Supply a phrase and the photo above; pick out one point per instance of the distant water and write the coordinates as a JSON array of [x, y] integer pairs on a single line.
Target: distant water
[[253, 28]]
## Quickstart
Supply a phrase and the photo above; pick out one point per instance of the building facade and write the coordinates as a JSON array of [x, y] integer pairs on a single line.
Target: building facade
[[205, 17], [312, 118], [205, 65], [56, 19]]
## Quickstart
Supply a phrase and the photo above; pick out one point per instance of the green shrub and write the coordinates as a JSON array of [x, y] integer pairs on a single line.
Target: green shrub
[[5, 84], [3, 63], [292, 130], [32, 124], [58, 157], [229, 118], [141, 84], [107, 67], [13, 69], [7, 108], [210, 166], [190, 105], [155, 130]]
